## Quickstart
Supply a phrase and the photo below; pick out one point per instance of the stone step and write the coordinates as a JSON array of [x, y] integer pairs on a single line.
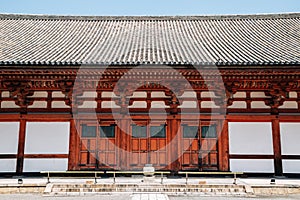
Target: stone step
[[85, 189]]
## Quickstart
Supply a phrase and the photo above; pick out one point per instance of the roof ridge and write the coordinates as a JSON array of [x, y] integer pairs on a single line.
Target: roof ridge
[[179, 17]]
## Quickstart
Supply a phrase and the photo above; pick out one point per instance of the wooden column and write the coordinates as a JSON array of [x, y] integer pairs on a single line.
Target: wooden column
[[21, 146], [174, 137], [224, 147], [277, 147], [123, 143], [73, 146]]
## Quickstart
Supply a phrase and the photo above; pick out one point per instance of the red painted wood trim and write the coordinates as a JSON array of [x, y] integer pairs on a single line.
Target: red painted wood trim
[[240, 156], [72, 146], [291, 157], [21, 147], [46, 156], [277, 147], [8, 156]]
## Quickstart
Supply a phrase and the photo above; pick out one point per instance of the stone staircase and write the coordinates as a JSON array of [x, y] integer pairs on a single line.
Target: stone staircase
[[169, 189]]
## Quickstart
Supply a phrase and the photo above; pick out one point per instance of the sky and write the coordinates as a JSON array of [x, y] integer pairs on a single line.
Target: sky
[[148, 7]]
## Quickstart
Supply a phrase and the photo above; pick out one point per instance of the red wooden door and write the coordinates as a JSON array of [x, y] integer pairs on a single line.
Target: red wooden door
[[199, 147], [98, 147], [148, 146]]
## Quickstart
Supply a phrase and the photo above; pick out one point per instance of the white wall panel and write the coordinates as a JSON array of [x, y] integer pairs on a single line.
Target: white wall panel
[[250, 138], [59, 104], [47, 138], [291, 166], [37, 165], [259, 104], [290, 138], [9, 134], [9, 104], [8, 165], [252, 165], [238, 104], [88, 104]]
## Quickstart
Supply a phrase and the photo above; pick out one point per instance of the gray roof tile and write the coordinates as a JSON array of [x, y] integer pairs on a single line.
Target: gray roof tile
[[226, 40]]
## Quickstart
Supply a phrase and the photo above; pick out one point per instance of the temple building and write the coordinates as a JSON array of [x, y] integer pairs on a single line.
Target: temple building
[[200, 93]]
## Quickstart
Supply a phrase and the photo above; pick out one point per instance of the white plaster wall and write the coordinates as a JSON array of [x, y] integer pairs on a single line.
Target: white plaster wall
[[259, 104], [37, 165], [139, 95], [188, 104], [9, 134], [40, 94], [252, 165], [290, 138], [90, 94], [108, 94], [293, 94], [139, 104], [238, 104], [109, 104], [58, 95], [88, 104], [250, 138], [158, 104], [8, 104], [5, 94], [59, 104], [207, 94], [8, 165], [189, 94], [47, 138], [38, 104], [158, 94], [257, 95], [239, 95], [290, 105], [208, 104], [291, 166]]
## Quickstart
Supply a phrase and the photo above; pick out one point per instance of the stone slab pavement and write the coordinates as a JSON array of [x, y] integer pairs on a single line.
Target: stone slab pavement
[[157, 180]]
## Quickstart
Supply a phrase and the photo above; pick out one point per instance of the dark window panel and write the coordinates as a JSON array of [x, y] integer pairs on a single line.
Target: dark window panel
[[190, 131], [88, 131], [158, 131], [208, 131], [107, 131], [139, 131]]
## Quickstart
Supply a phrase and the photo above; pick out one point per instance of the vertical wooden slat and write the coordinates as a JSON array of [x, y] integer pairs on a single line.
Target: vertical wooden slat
[[21, 146], [72, 146], [277, 147], [122, 143], [224, 151], [175, 165]]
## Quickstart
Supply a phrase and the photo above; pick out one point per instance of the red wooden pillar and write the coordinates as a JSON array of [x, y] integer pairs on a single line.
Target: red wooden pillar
[[224, 147], [73, 146], [21, 146], [123, 143], [173, 139], [277, 147]]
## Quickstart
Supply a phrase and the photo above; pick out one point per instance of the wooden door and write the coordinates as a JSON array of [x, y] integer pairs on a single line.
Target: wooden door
[[148, 146], [208, 153], [107, 149], [88, 146], [98, 147], [199, 148]]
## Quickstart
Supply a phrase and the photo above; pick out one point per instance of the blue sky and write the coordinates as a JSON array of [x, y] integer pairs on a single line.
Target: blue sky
[[148, 7]]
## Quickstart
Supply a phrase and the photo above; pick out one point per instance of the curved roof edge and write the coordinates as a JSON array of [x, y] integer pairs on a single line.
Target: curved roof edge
[[188, 17]]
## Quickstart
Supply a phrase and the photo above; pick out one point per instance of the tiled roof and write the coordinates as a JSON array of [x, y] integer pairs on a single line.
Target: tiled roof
[[226, 40]]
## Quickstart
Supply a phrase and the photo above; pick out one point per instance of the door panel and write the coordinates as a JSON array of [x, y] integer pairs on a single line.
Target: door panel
[[148, 146], [199, 147], [98, 147]]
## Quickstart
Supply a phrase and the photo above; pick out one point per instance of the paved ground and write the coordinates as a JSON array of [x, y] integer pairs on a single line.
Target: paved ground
[[192, 180], [129, 197]]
